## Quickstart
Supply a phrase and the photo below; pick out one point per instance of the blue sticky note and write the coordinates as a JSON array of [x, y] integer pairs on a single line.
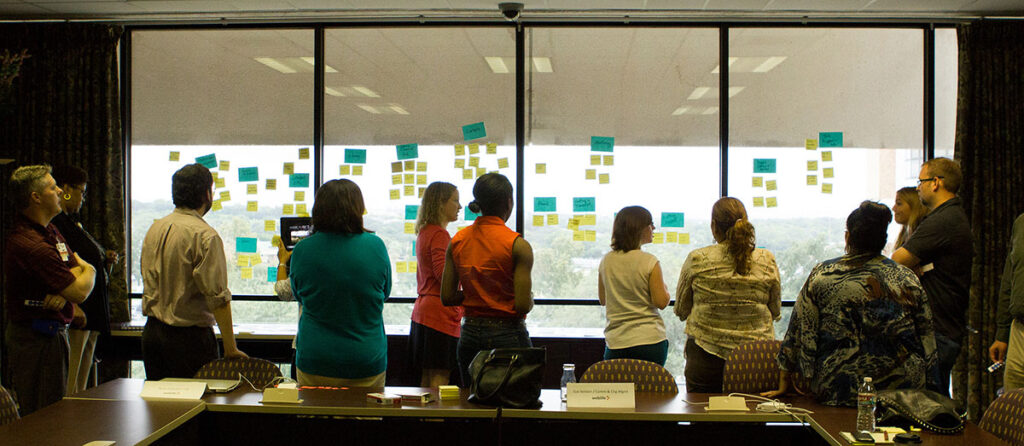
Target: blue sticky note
[[246, 174], [272, 274], [672, 219], [408, 151], [245, 244], [298, 180], [410, 211], [584, 204], [602, 143], [355, 156], [544, 204], [473, 131], [470, 215], [764, 165], [830, 139], [210, 161]]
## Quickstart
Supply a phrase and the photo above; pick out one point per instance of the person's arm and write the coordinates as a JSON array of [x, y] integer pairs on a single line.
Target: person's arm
[[522, 255], [905, 258], [438, 246], [774, 290], [282, 286], [656, 284], [450, 295], [1013, 273], [85, 279], [600, 287], [684, 289], [784, 380], [227, 331]]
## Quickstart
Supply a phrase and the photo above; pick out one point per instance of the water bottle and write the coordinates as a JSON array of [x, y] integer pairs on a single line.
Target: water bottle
[[568, 376], [866, 406]]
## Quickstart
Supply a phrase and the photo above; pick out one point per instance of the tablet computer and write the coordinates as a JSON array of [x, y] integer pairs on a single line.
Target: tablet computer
[[294, 229]]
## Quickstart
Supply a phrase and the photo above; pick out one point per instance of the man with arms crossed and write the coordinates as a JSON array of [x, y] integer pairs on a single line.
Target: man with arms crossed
[[43, 279], [185, 283], [1009, 344], [940, 251]]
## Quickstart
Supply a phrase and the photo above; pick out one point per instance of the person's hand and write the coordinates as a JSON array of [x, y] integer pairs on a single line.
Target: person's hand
[[235, 353], [54, 302], [997, 351], [783, 386], [112, 257], [772, 393], [79, 319], [283, 255]]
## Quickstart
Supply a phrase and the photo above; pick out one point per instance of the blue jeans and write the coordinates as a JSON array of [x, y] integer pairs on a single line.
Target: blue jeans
[[656, 353], [946, 352], [482, 334]]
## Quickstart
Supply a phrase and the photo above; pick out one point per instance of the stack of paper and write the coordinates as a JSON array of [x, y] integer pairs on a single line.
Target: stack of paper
[[448, 392]]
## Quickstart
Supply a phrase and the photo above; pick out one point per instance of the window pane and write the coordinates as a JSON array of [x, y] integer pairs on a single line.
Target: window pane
[[946, 70]]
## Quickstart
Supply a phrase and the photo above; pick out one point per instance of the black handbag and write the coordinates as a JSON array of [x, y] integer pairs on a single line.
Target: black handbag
[[507, 377], [923, 408]]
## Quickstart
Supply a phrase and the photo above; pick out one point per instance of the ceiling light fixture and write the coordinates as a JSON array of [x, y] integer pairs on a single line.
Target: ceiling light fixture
[[497, 65], [698, 93], [769, 64], [732, 60], [680, 111], [273, 63], [710, 111], [398, 109], [333, 92], [369, 108], [542, 64], [365, 91]]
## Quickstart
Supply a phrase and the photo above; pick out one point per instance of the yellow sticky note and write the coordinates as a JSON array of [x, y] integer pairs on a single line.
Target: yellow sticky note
[[396, 178], [574, 224], [225, 195], [269, 225], [300, 195], [408, 190], [595, 160], [542, 168], [421, 166], [254, 259], [420, 191], [770, 185], [460, 150], [826, 155], [246, 272], [410, 227], [503, 163], [474, 161], [812, 180], [467, 174], [474, 149], [460, 163], [421, 179], [538, 220], [757, 181], [609, 160], [214, 174], [300, 209], [590, 235], [758, 202], [401, 267], [271, 184], [826, 188], [552, 219], [671, 237], [410, 165], [396, 167], [250, 189], [811, 144], [578, 236], [175, 156], [659, 238], [826, 172], [357, 170], [220, 183], [216, 206], [412, 266], [224, 165], [275, 240], [588, 220], [304, 153], [288, 169], [812, 165], [773, 202], [684, 238], [252, 206], [480, 171], [492, 148], [288, 209], [344, 169], [591, 174], [604, 178], [395, 194], [409, 178]]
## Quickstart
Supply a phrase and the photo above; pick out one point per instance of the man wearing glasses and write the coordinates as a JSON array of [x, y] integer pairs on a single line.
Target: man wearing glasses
[[940, 251]]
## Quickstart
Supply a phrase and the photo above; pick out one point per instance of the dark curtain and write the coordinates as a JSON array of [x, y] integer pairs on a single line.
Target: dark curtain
[[990, 148], [64, 107]]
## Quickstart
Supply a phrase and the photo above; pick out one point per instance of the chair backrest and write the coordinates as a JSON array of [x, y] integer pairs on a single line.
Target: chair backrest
[[751, 367], [648, 376], [8, 408], [1003, 417], [259, 372]]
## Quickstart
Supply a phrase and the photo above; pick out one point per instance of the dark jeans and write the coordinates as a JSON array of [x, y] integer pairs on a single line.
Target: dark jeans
[[484, 334], [703, 370], [946, 352], [176, 352], [38, 366], [656, 353]]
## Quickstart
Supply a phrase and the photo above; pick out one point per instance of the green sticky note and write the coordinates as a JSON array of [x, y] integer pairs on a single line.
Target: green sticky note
[[830, 139], [584, 204], [298, 180], [210, 161], [672, 219], [473, 131], [272, 274], [544, 204], [410, 211], [245, 244], [408, 151], [246, 174], [470, 215], [602, 143], [355, 156], [764, 165]]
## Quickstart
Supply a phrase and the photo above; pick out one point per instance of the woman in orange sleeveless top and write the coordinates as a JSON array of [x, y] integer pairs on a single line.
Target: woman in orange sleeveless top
[[492, 263]]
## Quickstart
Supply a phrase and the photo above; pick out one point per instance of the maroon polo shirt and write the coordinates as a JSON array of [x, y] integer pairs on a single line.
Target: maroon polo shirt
[[33, 268]]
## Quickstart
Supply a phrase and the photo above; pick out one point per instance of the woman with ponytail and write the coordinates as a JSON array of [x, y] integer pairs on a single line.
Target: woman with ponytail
[[728, 294]]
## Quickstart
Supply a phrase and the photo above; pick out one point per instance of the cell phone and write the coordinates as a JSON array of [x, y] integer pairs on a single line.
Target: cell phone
[[34, 303], [996, 366], [863, 437]]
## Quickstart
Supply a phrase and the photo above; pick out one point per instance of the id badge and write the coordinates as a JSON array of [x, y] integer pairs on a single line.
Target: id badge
[[63, 250]]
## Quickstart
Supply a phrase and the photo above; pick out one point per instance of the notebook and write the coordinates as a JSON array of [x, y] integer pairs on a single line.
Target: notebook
[[212, 385]]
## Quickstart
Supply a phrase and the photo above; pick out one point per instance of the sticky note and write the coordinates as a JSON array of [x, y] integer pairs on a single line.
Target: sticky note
[[673, 219], [773, 202], [224, 165], [401, 267], [254, 259], [812, 165], [578, 236], [421, 179], [300, 209], [460, 163], [503, 163], [684, 238], [538, 220], [604, 178], [275, 240], [298, 180], [591, 174], [245, 244], [609, 160], [595, 160], [492, 148], [411, 210], [671, 237], [288, 209], [357, 170], [214, 174], [272, 274], [826, 172], [826, 188], [574, 224], [552, 219], [460, 150], [209, 161], [225, 195], [220, 183], [250, 189], [409, 178], [770, 185], [757, 182], [395, 194], [252, 206], [470, 215], [584, 204], [474, 161], [271, 184], [542, 168], [480, 171], [344, 169], [269, 225], [420, 191], [396, 167], [811, 144], [410, 227], [421, 166], [247, 174], [243, 260], [590, 235], [764, 165], [412, 267], [304, 153], [830, 139], [658, 238], [588, 220], [246, 272], [474, 149], [812, 180], [410, 165], [473, 131], [300, 195], [467, 174], [826, 155], [175, 156], [407, 151], [355, 156], [408, 190], [544, 204], [216, 206], [288, 168], [602, 143], [758, 202]]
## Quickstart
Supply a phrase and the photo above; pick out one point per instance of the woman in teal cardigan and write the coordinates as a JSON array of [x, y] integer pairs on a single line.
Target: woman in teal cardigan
[[341, 275]]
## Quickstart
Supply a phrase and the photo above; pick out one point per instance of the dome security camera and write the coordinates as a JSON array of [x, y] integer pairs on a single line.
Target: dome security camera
[[511, 11]]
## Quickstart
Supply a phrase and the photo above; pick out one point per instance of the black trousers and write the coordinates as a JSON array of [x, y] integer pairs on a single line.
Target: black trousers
[[703, 370], [176, 352], [37, 366]]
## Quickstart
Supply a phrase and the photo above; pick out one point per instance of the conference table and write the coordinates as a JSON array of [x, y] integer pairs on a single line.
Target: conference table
[[114, 411]]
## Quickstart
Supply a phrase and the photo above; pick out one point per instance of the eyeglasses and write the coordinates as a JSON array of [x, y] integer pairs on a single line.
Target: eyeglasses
[[921, 181]]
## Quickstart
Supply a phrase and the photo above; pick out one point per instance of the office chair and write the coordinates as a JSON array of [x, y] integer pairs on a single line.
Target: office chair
[[751, 367], [648, 376], [8, 408], [1003, 417], [259, 372]]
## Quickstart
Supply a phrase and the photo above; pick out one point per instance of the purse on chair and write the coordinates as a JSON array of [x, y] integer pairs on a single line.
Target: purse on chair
[[923, 408], [507, 377]]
